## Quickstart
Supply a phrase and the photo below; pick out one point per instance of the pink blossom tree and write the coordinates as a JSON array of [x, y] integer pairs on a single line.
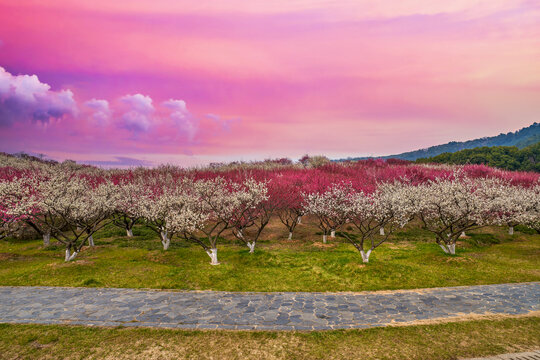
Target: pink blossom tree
[[253, 213]]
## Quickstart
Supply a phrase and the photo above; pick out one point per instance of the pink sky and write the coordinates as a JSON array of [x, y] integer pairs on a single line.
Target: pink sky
[[190, 82]]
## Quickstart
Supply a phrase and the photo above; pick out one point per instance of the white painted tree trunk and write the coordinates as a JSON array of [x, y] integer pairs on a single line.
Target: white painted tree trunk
[[47, 239], [511, 230], [324, 239], [129, 232], [213, 256], [240, 234], [165, 241], [251, 247], [365, 256], [333, 233], [69, 256], [462, 234], [381, 231], [299, 220], [452, 249], [444, 249], [290, 236], [91, 241]]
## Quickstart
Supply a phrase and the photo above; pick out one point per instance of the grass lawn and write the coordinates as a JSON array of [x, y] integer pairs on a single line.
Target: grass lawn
[[410, 260], [437, 341]]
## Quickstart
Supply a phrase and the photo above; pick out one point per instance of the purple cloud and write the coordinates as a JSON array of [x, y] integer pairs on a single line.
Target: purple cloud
[[24, 97], [138, 117], [224, 124], [102, 112], [182, 118]]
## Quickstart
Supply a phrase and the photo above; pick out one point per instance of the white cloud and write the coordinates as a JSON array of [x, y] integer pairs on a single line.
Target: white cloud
[[186, 123], [25, 97], [138, 117]]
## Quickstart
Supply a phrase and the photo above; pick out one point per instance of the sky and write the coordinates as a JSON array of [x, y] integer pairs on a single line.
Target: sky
[[139, 82]]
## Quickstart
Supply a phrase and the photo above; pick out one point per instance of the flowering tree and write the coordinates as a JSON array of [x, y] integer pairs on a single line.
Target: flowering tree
[[530, 214], [253, 212], [507, 202], [169, 209], [128, 210], [289, 202], [331, 207], [20, 205], [83, 206], [388, 208], [448, 207], [17, 202], [219, 200]]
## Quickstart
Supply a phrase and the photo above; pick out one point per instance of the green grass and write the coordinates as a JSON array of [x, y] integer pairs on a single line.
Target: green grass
[[434, 342], [410, 260]]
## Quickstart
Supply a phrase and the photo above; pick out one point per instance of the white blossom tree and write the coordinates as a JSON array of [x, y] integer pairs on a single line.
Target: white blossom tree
[[219, 200], [530, 208], [82, 204], [331, 207], [170, 208], [17, 202], [127, 210], [448, 207], [388, 208]]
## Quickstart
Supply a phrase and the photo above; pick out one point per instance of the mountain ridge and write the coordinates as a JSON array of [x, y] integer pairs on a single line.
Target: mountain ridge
[[521, 138]]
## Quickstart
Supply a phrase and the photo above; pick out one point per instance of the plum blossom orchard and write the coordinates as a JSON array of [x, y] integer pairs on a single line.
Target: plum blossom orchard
[[366, 201]]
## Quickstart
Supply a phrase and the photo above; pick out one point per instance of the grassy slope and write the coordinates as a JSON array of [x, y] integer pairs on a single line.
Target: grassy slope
[[438, 341], [411, 260]]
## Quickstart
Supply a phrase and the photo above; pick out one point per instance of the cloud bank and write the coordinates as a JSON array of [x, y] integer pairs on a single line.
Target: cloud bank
[[24, 97], [131, 122]]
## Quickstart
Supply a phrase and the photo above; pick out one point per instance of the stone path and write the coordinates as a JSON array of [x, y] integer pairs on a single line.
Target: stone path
[[531, 355], [261, 311]]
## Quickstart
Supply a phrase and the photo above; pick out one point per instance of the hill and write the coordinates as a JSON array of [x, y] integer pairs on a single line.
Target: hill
[[520, 139], [505, 157]]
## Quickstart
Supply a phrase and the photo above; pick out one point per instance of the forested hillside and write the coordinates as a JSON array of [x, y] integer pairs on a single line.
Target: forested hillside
[[520, 139], [504, 157]]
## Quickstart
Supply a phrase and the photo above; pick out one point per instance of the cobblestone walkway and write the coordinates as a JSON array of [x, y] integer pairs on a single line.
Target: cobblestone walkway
[[261, 311], [531, 355]]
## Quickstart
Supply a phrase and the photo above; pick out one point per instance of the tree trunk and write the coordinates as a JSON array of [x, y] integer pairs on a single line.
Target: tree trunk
[[240, 234], [333, 233], [251, 247], [381, 231], [91, 241], [452, 249], [511, 230], [446, 251], [324, 239], [129, 232], [213, 256], [165, 241], [462, 234], [365, 256], [299, 220], [290, 235], [69, 256], [46, 239]]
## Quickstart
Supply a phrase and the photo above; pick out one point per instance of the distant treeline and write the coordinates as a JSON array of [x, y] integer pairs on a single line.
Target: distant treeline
[[504, 157]]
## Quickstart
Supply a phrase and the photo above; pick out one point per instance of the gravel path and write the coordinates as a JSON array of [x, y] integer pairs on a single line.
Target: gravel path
[[260, 311]]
